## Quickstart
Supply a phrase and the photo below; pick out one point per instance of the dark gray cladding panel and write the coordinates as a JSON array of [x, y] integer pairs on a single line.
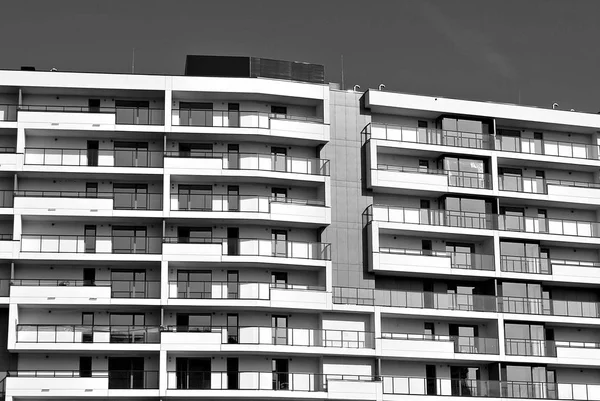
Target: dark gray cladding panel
[[217, 66]]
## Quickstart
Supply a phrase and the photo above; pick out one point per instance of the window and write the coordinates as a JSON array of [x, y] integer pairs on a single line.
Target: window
[[194, 322], [282, 110], [279, 279], [422, 124], [194, 284], [130, 239], [195, 197], [194, 235], [424, 164], [128, 283], [132, 154], [133, 111], [195, 149], [131, 196], [196, 113], [278, 194], [123, 328]]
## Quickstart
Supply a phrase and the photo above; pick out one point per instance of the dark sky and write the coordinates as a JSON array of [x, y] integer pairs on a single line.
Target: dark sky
[[546, 50]]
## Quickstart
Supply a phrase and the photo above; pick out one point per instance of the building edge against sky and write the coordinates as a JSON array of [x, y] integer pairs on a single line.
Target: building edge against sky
[[265, 234]]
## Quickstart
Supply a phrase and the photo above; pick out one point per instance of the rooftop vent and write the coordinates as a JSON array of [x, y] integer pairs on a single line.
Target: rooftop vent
[[27, 68]]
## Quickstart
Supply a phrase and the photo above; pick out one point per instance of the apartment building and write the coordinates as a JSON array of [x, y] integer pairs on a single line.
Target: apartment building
[[247, 230]]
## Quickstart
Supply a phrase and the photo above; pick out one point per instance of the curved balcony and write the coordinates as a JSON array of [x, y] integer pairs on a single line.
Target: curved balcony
[[96, 334], [546, 147], [245, 164], [88, 200], [69, 291], [251, 207], [436, 180], [435, 346], [246, 250], [94, 159], [429, 136], [233, 338]]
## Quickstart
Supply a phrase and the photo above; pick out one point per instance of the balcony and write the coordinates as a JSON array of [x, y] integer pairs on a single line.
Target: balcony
[[4, 287], [83, 202], [558, 190], [91, 246], [570, 352], [8, 112], [91, 115], [420, 386], [281, 125], [427, 136], [245, 250], [549, 307], [94, 158], [81, 334], [69, 291], [546, 226], [430, 217], [525, 264], [252, 207], [410, 177], [273, 339], [245, 164], [545, 147], [76, 383], [190, 382], [430, 261], [406, 345]]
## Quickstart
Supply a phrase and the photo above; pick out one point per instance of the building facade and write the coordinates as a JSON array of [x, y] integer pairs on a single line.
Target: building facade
[[250, 237]]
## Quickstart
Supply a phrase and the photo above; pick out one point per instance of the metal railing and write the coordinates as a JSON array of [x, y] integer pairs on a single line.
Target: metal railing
[[303, 337], [94, 158], [260, 162], [7, 198], [550, 307], [8, 112], [542, 348], [5, 287], [37, 333], [546, 147], [542, 225], [234, 119], [431, 136], [121, 200], [124, 115], [458, 260], [117, 379], [119, 288], [448, 218], [235, 203], [261, 247], [462, 344], [462, 179], [538, 185], [231, 289], [90, 244], [525, 264]]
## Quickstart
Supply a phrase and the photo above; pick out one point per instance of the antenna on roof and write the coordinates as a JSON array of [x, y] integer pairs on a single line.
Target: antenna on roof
[[133, 61], [342, 72]]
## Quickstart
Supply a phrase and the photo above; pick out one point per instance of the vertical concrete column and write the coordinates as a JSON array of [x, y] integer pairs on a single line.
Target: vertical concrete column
[[164, 283], [494, 176], [326, 103], [13, 320], [168, 104], [20, 140], [595, 152], [497, 259], [501, 337], [166, 194], [162, 374]]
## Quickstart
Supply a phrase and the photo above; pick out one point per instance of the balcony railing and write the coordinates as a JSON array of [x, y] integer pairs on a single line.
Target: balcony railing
[[547, 147], [48, 243], [541, 348], [235, 203], [27, 333], [458, 260], [4, 287], [7, 198], [261, 162], [119, 288], [121, 200], [462, 344], [8, 112], [525, 264], [124, 115], [234, 119], [447, 218], [231, 290], [462, 179], [550, 307], [542, 225], [431, 136], [262, 247], [304, 337], [94, 158], [538, 185], [117, 379]]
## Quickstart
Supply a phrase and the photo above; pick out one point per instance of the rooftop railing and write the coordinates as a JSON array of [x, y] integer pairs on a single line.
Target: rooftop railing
[[117, 379], [262, 247], [462, 344], [124, 115], [122, 200], [47, 333], [90, 244], [94, 158], [235, 203], [260, 162], [119, 288], [234, 119], [232, 290], [304, 337], [464, 179], [431, 136], [458, 260]]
